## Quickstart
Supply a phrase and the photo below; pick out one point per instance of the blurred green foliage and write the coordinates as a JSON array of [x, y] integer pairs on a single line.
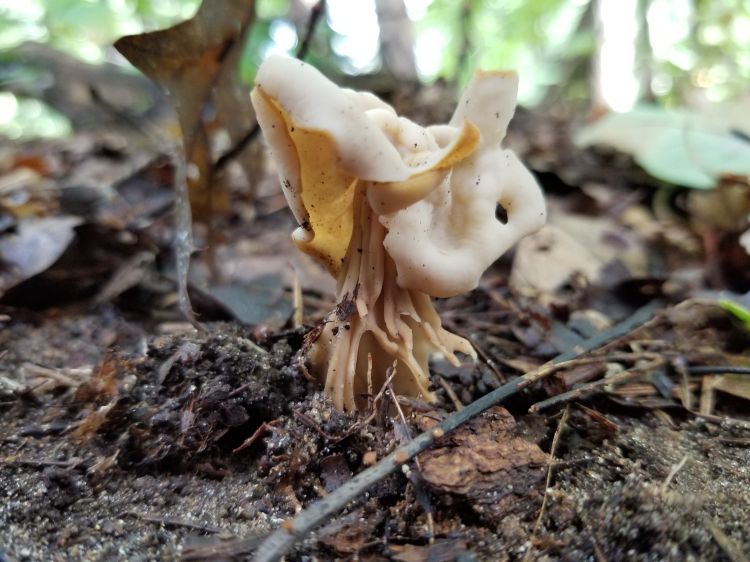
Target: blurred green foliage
[[85, 28], [534, 37], [29, 118], [720, 43], [684, 45]]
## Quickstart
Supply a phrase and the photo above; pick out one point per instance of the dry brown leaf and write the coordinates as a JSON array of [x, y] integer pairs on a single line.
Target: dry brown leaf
[[34, 247], [26, 193], [196, 63], [547, 259], [724, 208], [736, 385]]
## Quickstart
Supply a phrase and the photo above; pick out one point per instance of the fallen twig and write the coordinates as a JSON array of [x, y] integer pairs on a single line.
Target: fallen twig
[[723, 421], [728, 545], [734, 441], [70, 378], [315, 13], [486, 359], [598, 551], [265, 426], [550, 463], [457, 404], [415, 477], [274, 547], [183, 237], [41, 463], [221, 550], [718, 370], [489, 362], [587, 389], [672, 473], [183, 218]]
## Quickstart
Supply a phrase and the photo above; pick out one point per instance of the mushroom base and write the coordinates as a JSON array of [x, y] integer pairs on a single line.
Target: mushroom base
[[378, 324]]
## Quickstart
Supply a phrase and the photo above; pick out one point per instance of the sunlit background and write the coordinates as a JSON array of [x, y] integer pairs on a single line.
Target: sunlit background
[[603, 53]]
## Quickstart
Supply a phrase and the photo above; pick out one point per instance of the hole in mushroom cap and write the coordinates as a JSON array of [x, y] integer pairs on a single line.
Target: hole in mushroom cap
[[501, 213]]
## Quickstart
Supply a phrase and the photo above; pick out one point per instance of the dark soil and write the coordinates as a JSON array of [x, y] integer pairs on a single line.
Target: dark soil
[[193, 446]]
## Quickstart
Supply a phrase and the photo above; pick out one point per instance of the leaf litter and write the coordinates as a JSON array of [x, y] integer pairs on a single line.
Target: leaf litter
[[126, 433]]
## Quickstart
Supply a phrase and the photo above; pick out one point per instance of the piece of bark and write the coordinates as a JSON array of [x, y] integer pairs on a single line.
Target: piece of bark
[[485, 463]]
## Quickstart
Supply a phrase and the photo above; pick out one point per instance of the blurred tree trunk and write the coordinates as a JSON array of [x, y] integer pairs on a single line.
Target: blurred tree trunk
[[598, 102], [299, 13], [576, 73], [644, 53], [396, 39], [615, 84], [465, 33]]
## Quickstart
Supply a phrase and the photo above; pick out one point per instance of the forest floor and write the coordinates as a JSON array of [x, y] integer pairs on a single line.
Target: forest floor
[[142, 458], [127, 434]]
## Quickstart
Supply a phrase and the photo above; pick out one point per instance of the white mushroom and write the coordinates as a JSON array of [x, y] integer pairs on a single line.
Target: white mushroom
[[397, 212]]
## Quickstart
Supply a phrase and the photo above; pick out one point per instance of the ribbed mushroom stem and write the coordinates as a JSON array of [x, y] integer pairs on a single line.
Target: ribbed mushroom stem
[[377, 318]]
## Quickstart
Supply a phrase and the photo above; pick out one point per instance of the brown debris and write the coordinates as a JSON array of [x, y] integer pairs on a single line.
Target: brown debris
[[351, 533], [485, 463], [443, 550], [334, 471]]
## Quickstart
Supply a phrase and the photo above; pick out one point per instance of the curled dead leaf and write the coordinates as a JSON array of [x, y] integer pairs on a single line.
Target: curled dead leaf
[[35, 246], [195, 62]]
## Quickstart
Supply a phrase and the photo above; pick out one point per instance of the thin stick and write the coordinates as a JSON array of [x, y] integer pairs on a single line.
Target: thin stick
[[277, 544], [39, 463], [57, 376], [315, 13], [723, 421], [265, 426], [298, 302], [457, 404], [708, 395], [548, 481], [183, 236], [221, 162], [416, 480], [587, 389], [718, 370], [490, 363], [686, 396], [482, 355], [174, 522], [672, 473], [550, 464], [728, 545]]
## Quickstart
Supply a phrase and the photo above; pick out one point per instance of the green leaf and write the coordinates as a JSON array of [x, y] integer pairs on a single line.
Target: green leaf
[[673, 146], [738, 311]]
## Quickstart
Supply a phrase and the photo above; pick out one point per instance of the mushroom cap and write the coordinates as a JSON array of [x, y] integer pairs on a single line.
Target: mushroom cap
[[442, 244], [436, 189], [326, 139], [488, 201]]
